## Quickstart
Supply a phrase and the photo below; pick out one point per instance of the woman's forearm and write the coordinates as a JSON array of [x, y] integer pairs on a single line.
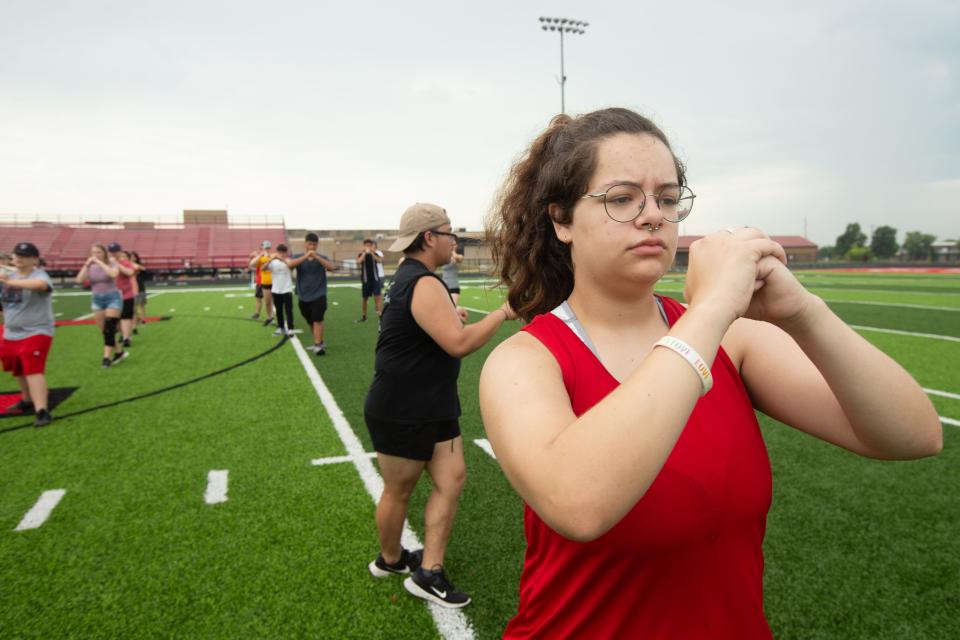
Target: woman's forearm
[[886, 408]]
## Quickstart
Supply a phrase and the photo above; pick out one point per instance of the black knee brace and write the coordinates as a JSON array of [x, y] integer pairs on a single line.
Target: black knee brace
[[110, 331]]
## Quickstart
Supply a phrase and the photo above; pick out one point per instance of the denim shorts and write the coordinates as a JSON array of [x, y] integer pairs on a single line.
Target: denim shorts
[[104, 301]]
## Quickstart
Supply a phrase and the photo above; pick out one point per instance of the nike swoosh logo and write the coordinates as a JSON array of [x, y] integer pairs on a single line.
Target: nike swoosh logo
[[442, 594]]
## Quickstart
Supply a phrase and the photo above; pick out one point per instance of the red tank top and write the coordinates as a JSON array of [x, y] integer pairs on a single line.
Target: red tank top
[[686, 561]]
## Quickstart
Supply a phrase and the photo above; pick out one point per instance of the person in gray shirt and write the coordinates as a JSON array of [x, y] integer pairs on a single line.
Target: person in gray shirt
[[451, 274], [27, 329], [312, 288]]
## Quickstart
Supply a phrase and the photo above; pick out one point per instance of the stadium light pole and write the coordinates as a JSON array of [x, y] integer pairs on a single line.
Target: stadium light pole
[[562, 26]]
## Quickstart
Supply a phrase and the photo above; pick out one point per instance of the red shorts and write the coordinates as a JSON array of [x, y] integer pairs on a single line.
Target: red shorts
[[25, 357]]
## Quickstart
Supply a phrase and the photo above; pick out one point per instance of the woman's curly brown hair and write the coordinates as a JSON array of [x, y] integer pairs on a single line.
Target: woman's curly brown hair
[[530, 261]]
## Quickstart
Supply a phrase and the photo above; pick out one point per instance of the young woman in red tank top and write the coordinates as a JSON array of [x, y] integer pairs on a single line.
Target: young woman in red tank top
[[635, 446]]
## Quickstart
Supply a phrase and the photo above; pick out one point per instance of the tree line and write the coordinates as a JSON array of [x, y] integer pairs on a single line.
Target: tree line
[[852, 245]]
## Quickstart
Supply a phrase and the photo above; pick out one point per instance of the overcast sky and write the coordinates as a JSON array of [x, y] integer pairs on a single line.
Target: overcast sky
[[339, 115]]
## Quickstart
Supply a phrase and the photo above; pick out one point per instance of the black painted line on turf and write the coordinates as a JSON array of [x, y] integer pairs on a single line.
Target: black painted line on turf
[[156, 392]]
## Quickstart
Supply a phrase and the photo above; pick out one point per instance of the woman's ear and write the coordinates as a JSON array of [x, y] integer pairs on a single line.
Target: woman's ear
[[561, 229]]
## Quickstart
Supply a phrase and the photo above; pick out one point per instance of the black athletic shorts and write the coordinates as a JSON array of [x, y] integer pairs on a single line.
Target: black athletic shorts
[[410, 441], [259, 292], [454, 289], [371, 288], [127, 312], [314, 310]]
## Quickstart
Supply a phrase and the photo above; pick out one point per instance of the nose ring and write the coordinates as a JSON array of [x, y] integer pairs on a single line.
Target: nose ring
[[650, 226]]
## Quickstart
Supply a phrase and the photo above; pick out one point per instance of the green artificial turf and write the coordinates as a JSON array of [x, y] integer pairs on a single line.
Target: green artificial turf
[[855, 548]]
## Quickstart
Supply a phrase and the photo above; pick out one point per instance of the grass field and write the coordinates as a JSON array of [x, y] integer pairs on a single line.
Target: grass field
[[855, 548]]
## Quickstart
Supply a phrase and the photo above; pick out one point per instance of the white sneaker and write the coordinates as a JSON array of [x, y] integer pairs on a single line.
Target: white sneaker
[[278, 332], [291, 333]]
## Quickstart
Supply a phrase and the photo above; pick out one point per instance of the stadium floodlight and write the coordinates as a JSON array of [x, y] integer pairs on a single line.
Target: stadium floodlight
[[563, 25]]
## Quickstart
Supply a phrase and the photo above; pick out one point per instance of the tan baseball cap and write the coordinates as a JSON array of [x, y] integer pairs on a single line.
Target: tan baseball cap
[[418, 218]]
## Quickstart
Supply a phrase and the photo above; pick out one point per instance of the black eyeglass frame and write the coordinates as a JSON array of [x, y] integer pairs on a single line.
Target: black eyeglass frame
[[455, 237], [643, 204]]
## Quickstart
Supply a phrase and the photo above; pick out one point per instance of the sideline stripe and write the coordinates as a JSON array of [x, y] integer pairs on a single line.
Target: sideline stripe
[[484, 444], [451, 623], [945, 394], [216, 487], [41, 510], [950, 421], [905, 333]]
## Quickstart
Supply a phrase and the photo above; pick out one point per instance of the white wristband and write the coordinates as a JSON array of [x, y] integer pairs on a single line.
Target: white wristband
[[689, 354]]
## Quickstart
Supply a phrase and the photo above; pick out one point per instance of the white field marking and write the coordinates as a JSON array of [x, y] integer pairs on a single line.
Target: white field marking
[[336, 304], [480, 311], [484, 444], [206, 308], [85, 316], [945, 394], [57, 315], [906, 333], [893, 304], [172, 310], [39, 513], [950, 421], [451, 623], [892, 289], [216, 487], [239, 306], [77, 294], [872, 303], [319, 462], [188, 289]]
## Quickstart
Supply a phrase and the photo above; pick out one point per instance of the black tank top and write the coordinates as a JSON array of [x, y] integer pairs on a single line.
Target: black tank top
[[414, 379]]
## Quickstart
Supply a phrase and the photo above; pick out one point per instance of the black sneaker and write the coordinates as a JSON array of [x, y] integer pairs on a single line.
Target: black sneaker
[[267, 321], [320, 349], [106, 363], [360, 319], [43, 418], [135, 331], [23, 406], [433, 586], [126, 343], [409, 561], [123, 355]]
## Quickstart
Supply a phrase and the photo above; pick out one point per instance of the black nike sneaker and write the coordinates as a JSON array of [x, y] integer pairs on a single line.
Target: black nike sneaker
[[433, 586], [409, 561]]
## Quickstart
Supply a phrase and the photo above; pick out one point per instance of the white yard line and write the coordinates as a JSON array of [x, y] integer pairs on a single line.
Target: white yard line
[[319, 462], [893, 304], [945, 394], [484, 444], [906, 333], [85, 316], [950, 421], [480, 311], [41, 510], [216, 487], [451, 623]]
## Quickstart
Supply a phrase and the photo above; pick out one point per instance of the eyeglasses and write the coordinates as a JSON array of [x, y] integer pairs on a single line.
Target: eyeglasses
[[452, 236], [624, 202]]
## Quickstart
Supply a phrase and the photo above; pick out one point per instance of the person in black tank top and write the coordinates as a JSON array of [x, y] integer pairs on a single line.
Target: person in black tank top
[[412, 407]]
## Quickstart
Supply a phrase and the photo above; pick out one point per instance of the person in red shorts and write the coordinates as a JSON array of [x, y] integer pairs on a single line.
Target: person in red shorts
[[27, 329], [625, 420]]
